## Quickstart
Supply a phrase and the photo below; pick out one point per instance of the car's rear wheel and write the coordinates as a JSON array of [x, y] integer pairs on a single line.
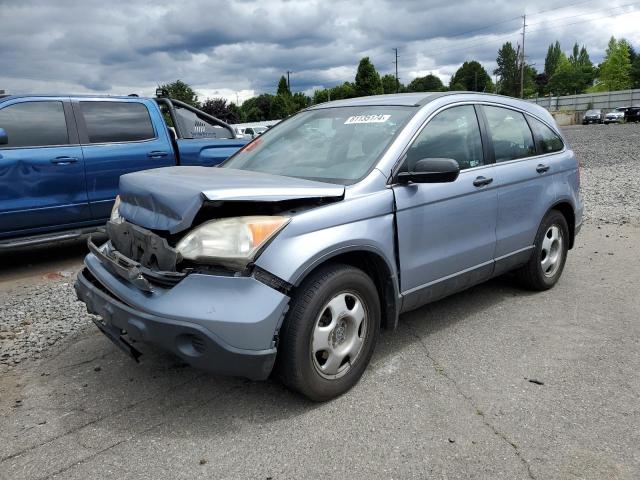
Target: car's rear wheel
[[330, 332], [544, 268]]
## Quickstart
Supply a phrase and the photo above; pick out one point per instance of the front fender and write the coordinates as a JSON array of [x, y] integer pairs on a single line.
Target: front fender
[[363, 223]]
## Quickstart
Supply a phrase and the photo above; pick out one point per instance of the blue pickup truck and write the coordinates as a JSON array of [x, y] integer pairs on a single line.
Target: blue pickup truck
[[61, 157]]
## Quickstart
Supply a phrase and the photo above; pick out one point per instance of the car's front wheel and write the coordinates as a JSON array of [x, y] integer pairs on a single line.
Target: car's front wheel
[[330, 332]]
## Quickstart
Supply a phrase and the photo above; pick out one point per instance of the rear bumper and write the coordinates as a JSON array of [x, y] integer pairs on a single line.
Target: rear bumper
[[184, 321]]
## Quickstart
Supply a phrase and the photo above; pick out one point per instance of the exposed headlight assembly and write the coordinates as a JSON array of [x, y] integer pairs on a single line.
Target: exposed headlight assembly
[[115, 211], [232, 242]]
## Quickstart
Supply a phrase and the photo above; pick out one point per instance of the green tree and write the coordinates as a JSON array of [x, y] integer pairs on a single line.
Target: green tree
[[320, 96], [367, 79], [258, 109], [390, 84], [635, 73], [279, 107], [634, 58], [508, 71], [563, 80], [552, 60], [471, 76], [299, 101], [615, 70], [346, 90], [283, 87], [219, 108], [181, 91], [428, 83]]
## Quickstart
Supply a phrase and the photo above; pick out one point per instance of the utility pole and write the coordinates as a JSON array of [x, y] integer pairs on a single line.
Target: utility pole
[[524, 26], [397, 78], [288, 83]]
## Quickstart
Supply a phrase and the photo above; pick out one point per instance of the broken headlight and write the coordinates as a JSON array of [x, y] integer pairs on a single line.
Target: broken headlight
[[232, 242]]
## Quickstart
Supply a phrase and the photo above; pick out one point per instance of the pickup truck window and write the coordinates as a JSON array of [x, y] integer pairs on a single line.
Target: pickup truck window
[[110, 122], [197, 126], [34, 124]]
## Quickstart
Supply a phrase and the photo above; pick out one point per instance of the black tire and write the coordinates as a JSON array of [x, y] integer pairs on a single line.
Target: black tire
[[295, 365], [531, 275]]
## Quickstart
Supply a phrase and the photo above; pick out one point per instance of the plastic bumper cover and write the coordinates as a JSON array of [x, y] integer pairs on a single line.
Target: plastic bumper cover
[[193, 341]]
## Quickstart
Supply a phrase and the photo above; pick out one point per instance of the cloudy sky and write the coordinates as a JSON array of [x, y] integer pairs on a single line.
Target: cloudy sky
[[242, 46]]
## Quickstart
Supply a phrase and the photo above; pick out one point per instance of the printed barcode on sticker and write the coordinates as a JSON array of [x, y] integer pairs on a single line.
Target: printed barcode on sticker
[[367, 119]]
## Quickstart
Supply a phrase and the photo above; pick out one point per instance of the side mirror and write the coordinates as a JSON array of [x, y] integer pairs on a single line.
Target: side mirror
[[4, 139], [431, 170]]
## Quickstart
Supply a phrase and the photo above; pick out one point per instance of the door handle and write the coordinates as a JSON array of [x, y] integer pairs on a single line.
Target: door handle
[[482, 181], [64, 160], [541, 168], [157, 154]]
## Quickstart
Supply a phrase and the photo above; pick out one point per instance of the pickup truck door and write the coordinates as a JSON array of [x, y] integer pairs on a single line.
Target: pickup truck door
[[42, 179], [446, 231], [119, 136], [207, 152]]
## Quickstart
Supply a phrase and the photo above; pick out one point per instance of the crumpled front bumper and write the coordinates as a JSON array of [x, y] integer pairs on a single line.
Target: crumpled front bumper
[[220, 324]]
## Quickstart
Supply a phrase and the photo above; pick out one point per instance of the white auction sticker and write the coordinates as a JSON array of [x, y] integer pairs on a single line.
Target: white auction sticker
[[367, 119]]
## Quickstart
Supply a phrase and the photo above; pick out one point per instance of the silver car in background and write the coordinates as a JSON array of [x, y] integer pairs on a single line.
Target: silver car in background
[[295, 253]]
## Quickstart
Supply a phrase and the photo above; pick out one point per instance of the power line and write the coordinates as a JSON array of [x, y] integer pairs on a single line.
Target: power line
[[516, 18], [555, 20], [583, 21]]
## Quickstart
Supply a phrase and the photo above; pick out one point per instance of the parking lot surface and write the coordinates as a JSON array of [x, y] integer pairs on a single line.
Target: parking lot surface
[[494, 382]]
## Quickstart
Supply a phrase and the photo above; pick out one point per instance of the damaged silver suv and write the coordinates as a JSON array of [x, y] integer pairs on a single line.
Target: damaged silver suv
[[293, 254]]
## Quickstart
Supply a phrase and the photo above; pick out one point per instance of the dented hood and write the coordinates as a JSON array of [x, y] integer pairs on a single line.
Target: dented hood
[[169, 198]]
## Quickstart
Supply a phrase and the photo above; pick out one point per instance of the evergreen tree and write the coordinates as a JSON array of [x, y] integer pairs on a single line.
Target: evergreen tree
[[367, 79], [635, 73], [508, 71], [471, 76], [552, 59], [283, 87]]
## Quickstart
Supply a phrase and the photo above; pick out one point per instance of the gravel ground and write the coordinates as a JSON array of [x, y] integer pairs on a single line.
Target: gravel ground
[[610, 158], [34, 317]]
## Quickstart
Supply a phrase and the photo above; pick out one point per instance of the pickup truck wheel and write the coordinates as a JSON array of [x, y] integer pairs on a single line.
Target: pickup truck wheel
[[545, 266], [330, 332]]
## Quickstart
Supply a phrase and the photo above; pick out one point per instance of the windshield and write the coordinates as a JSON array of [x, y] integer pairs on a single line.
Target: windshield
[[337, 145], [593, 112]]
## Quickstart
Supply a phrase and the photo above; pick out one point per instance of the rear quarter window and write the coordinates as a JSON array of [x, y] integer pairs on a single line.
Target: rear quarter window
[[109, 122], [548, 140]]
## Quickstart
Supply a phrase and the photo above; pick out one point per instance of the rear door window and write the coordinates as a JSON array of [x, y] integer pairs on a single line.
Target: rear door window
[[34, 124], [109, 122], [510, 134], [548, 140]]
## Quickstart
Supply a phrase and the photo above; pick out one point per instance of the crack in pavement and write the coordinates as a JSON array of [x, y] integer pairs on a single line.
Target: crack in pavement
[[132, 436], [440, 370], [80, 427]]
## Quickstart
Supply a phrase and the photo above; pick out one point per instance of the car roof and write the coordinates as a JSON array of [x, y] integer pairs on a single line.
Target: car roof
[[416, 99]]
